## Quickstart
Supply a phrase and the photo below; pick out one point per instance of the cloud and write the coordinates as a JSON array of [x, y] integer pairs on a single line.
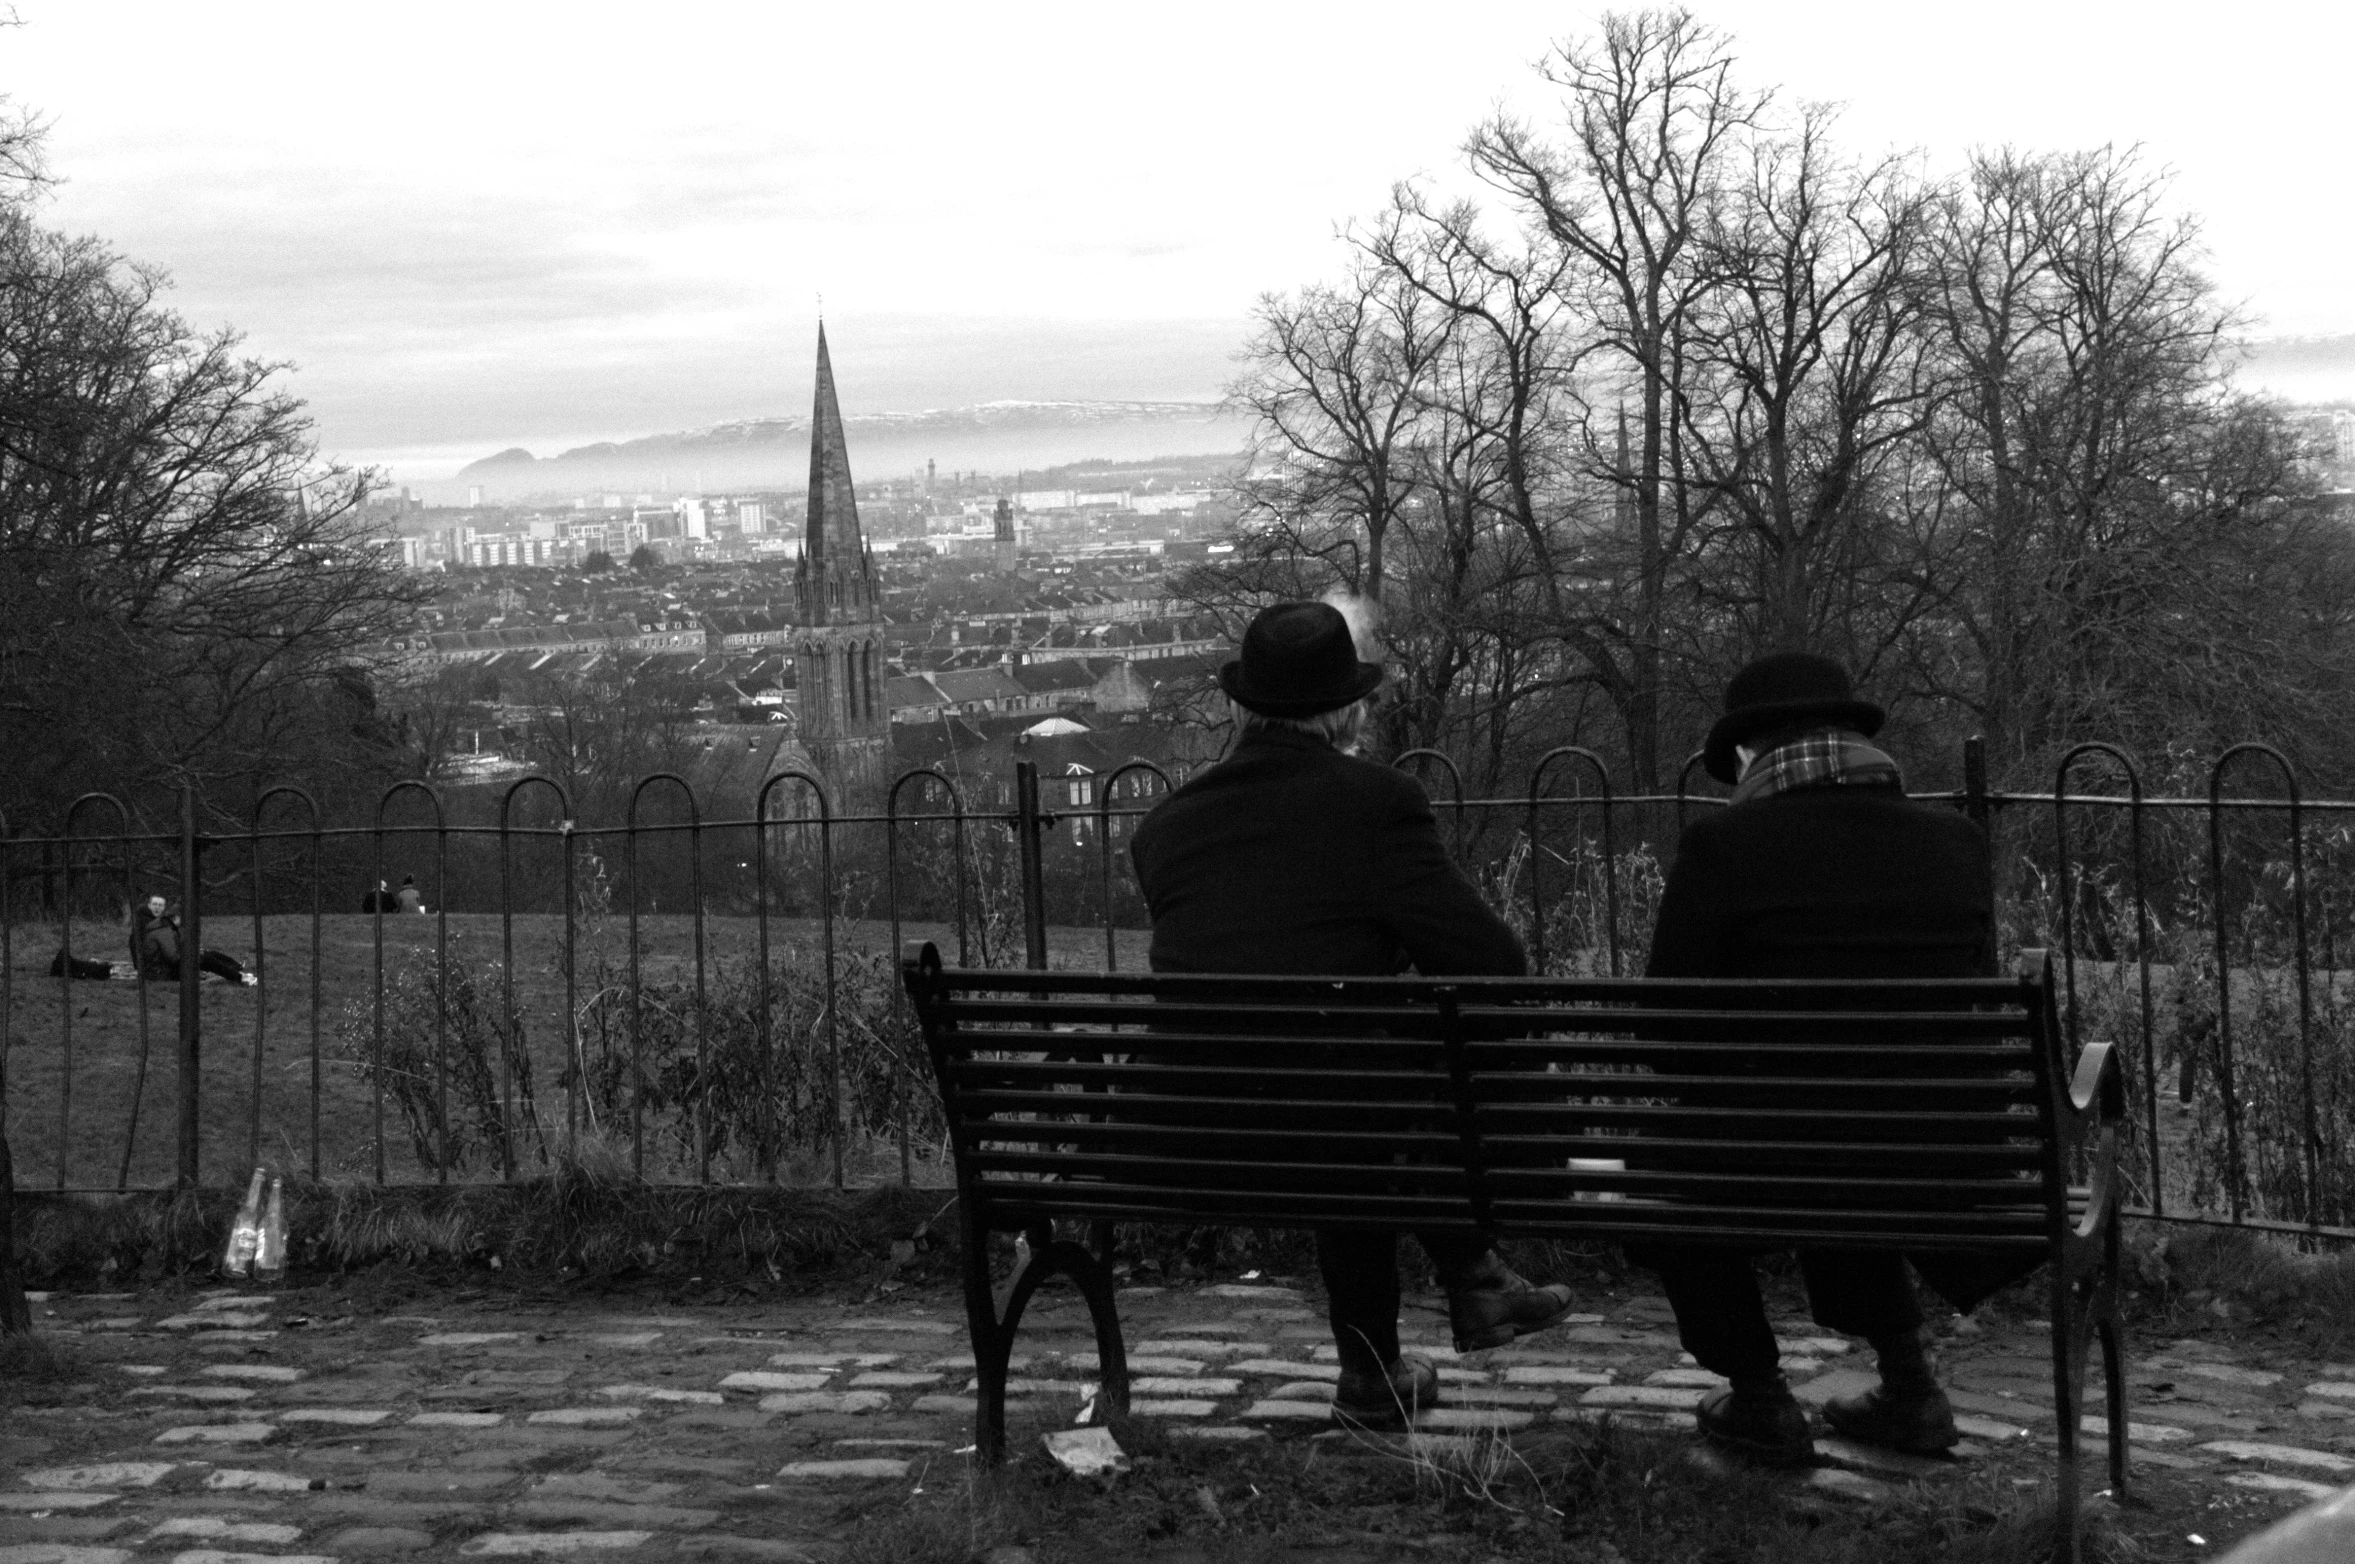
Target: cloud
[[493, 223]]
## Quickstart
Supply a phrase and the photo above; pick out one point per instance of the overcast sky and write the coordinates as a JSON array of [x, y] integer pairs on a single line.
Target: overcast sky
[[475, 225]]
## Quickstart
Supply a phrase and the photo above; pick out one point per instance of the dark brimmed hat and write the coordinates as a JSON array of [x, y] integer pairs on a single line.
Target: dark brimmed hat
[[1782, 691], [1298, 660]]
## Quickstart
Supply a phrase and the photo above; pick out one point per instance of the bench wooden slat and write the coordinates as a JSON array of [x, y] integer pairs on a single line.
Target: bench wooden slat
[[1491, 1055], [978, 1073], [1729, 1177], [1307, 1022], [981, 1113], [1621, 1223], [1726, 1187], [1743, 993], [2015, 1054], [1281, 1208], [1266, 1172], [973, 1106], [1293, 1208], [1380, 1144], [1503, 1151], [1038, 1073], [1766, 1123]]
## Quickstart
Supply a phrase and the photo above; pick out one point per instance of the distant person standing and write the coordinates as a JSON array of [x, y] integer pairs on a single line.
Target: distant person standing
[[410, 899]]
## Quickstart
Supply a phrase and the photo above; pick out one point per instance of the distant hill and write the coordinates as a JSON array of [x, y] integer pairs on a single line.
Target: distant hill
[[2302, 369], [773, 453]]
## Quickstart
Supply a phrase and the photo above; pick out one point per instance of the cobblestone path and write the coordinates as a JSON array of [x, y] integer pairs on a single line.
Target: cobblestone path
[[222, 1427]]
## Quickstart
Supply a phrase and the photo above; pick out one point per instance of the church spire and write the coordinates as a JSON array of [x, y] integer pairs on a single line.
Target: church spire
[[836, 573]]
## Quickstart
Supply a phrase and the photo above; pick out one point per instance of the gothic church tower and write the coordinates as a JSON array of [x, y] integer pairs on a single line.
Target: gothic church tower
[[845, 720]]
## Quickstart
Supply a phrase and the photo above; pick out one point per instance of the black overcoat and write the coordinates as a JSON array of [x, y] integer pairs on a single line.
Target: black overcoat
[[1291, 857], [1837, 882], [1828, 882]]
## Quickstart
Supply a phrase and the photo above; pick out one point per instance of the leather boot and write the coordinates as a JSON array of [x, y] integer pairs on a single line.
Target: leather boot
[[1912, 1422], [1763, 1424], [1489, 1305], [1389, 1399], [1906, 1411]]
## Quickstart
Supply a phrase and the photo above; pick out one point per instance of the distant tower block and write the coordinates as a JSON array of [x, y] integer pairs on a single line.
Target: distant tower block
[[1005, 537], [845, 722]]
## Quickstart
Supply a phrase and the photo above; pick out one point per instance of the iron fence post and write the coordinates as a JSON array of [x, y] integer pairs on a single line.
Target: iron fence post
[[191, 948], [1029, 844], [7, 991], [1975, 786]]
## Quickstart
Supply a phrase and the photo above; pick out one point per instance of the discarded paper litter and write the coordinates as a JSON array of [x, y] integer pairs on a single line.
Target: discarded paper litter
[[1087, 1452]]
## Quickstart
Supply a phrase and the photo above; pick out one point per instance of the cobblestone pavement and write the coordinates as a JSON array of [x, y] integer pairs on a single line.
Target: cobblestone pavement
[[220, 1427]]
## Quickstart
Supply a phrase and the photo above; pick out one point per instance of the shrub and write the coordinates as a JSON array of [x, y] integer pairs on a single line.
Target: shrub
[[447, 1040], [715, 1085]]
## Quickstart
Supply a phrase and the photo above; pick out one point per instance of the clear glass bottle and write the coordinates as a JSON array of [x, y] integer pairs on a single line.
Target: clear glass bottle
[[269, 1260], [245, 1234]]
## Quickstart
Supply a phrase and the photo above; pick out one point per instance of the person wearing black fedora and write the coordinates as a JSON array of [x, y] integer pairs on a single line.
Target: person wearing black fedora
[[1821, 867], [1294, 855]]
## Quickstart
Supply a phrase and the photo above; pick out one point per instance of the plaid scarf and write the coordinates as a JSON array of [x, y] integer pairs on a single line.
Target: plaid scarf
[[1829, 758]]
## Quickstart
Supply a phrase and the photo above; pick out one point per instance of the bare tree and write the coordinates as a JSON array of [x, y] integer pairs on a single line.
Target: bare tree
[[2096, 459], [434, 709], [598, 728], [1722, 389], [1652, 119], [186, 587], [1807, 382], [1336, 377]]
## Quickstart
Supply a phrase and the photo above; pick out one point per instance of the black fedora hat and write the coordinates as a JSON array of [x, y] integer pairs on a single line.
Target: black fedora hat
[[1781, 691], [1298, 660]]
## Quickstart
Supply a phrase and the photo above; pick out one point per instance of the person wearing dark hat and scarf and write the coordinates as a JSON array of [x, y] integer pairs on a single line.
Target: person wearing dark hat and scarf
[[1820, 868], [1293, 855]]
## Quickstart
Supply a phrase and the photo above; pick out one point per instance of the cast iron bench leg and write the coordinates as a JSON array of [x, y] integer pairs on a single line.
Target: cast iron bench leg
[[2085, 1308], [2068, 1396], [993, 1318]]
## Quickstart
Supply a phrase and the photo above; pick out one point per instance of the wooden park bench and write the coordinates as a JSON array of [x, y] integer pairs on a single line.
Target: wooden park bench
[[1910, 1114]]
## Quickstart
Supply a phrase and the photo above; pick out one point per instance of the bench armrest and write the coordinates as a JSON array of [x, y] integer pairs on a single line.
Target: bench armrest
[[2097, 1093], [2098, 1084]]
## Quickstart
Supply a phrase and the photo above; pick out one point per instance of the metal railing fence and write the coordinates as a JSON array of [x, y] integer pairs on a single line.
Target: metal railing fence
[[714, 996]]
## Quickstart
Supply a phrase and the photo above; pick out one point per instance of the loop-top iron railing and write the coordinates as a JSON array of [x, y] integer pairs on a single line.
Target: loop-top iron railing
[[860, 882]]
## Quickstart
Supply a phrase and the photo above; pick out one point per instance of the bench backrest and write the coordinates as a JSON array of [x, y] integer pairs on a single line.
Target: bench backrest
[[1902, 1113]]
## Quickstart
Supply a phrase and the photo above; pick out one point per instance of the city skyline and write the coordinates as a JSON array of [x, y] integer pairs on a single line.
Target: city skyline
[[484, 230]]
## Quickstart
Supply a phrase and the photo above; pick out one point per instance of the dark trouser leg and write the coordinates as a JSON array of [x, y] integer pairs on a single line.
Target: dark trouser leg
[[1720, 1316], [1456, 1256], [1868, 1293], [1361, 1296], [222, 965], [1861, 1292]]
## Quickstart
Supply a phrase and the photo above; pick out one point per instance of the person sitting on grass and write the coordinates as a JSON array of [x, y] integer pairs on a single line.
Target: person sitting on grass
[[155, 948]]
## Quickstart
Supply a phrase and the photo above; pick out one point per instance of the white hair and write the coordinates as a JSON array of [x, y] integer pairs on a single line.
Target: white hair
[[1344, 727]]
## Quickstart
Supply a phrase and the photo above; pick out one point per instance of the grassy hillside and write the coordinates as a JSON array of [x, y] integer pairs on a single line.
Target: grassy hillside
[[84, 1084]]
